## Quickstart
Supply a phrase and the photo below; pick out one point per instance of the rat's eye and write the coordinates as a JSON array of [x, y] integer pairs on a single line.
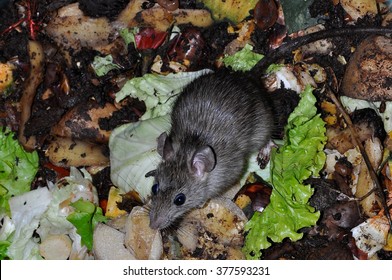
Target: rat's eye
[[179, 199], [155, 188]]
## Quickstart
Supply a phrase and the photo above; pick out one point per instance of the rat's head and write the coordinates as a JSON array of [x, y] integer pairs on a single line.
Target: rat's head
[[180, 182]]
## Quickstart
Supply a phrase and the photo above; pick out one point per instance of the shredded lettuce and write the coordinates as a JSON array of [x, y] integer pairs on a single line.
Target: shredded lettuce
[[300, 157], [17, 169], [243, 60], [157, 91], [27, 210], [102, 65], [36, 214]]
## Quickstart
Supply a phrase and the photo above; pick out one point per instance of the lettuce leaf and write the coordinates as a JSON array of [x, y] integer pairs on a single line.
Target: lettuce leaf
[[17, 169], [102, 65], [157, 91], [27, 210], [133, 153], [243, 60], [300, 157], [128, 35], [85, 217]]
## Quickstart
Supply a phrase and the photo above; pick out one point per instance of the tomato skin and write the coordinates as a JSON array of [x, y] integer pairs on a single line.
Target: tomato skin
[[103, 203], [60, 171], [148, 38]]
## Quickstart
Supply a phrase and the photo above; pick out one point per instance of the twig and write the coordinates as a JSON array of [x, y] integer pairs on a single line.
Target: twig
[[290, 46]]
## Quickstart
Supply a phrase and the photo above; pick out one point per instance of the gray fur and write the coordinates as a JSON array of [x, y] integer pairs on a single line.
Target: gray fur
[[217, 122]]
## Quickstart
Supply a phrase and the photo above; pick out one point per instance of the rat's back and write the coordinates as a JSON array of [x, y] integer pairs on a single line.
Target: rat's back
[[227, 111]]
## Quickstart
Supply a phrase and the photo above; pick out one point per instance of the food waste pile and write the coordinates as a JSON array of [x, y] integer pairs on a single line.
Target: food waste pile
[[87, 87]]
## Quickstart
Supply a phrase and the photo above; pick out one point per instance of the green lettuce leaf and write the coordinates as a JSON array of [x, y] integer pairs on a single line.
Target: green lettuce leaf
[[102, 65], [243, 60], [157, 91], [128, 35], [85, 217], [17, 169], [300, 157]]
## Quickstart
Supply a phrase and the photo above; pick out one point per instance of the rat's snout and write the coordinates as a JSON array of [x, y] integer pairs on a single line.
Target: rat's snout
[[156, 221]]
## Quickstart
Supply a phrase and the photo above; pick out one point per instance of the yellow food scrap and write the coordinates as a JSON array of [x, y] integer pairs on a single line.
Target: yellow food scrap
[[112, 210], [6, 77], [246, 31], [230, 29], [388, 245], [242, 201], [330, 120], [329, 107], [233, 10]]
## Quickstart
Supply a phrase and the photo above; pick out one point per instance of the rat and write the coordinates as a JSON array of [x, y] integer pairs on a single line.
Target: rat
[[218, 121]]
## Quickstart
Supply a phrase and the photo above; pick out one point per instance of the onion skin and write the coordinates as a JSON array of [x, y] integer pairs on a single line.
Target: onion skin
[[265, 14]]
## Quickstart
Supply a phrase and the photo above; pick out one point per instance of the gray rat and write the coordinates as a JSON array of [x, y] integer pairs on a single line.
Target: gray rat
[[216, 123]]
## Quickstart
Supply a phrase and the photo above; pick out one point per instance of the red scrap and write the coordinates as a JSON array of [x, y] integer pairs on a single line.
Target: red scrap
[[148, 38]]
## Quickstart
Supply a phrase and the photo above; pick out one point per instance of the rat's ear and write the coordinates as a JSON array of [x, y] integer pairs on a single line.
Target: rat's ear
[[165, 147], [203, 161]]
